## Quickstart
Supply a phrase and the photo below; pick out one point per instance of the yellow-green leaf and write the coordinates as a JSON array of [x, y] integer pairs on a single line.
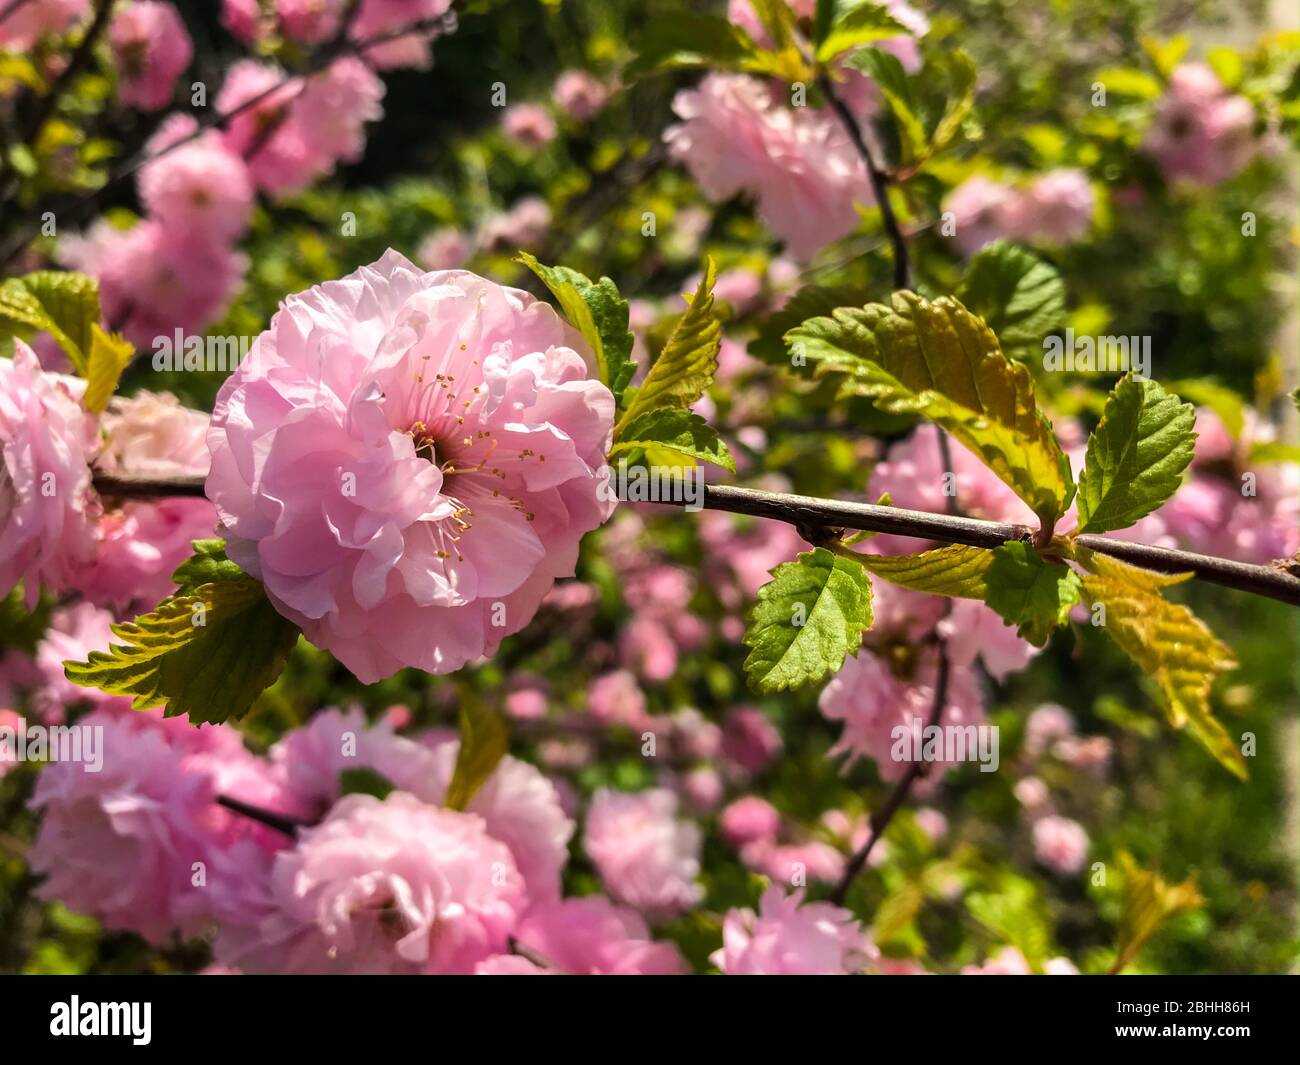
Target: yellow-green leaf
[[1168, 642], [483, 743], [110, 354], [207, 655], [853, 25], [65, 305], [1149, 901], [685, 367], [954, 570], [939, 360]]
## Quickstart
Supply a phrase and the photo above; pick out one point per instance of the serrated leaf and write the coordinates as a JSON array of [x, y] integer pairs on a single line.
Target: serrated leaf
[[851, 25], [1136, 455], [483, 743], [110, 354], [940, 361], [1168, 642], [688, 39], [887, 72], [1030, 592], [954, 570], [685, 367], [1149, 901], [832, 596], [208, 565], [211, 671], [65, 305], [679, 431], [599, 313], [961, 98], [1020, 297]]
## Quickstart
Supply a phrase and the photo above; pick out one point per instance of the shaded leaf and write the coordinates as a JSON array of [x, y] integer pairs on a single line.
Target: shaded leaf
[[1149, 901], [1030, 592], [681, 432], [483, 743], [1020, 297]]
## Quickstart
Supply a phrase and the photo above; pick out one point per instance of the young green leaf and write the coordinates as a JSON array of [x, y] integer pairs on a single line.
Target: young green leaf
[[483, 743], [599, 313], [1149, 901], [810, 615], [1136, 455], [940, 361], [960, 69], [954, 570], [841, 25], [110, 354], [685, 368], [1168, 642], [1020, 297], [208, 565], [1030, 592], [207, 654], [691, 40], [65, 305], [684, 434], [890, 77]]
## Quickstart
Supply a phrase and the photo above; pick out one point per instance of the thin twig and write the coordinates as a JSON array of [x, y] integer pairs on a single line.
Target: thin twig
[[879, 183], [280, 822], [810, 511]]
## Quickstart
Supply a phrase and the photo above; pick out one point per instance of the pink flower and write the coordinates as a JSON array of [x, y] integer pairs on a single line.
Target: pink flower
[[1057, 207], [1031, 793], [200, 188], [523, 226], [154, 280], [1201, 134], [46, 506], [1060, 844], [150, 49], [334, 108], [445, 249], [978, 209], [645, 856], [592, 937], [873, 703], [510, 965], [579, 94], [408, 461], [932, 822], [701, 789], [737, 136], [1007, 962], [243, 18], [31, 21], [378, 20], [381, 886], [749, 820], [972, 629], [794, 863], [527, 701], [135, 842], [1047, 725], [749, 739], [789, 937], [616, 699], [528, 125], [74, 631], [310, 21]]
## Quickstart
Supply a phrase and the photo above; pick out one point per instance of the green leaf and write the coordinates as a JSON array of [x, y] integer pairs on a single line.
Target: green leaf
[[208, 565], [20, 627], [1129, 81], [888, 74], [599, 313], [960, 69], [954, 570], [685, 434], [110, 354], [831, 596], [1136, 455], [809, 302], [850, 25], [1149, 901], [1020, 297], [1168, 642], [1030, 592], [65, 305], [940, 361], [365, 781], [685, 368], [483, 743], [207, 654], [691, 40]]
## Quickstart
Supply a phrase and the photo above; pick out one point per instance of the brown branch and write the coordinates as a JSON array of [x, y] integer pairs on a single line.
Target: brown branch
[[916, 769], [879, 183], [813, 512]]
